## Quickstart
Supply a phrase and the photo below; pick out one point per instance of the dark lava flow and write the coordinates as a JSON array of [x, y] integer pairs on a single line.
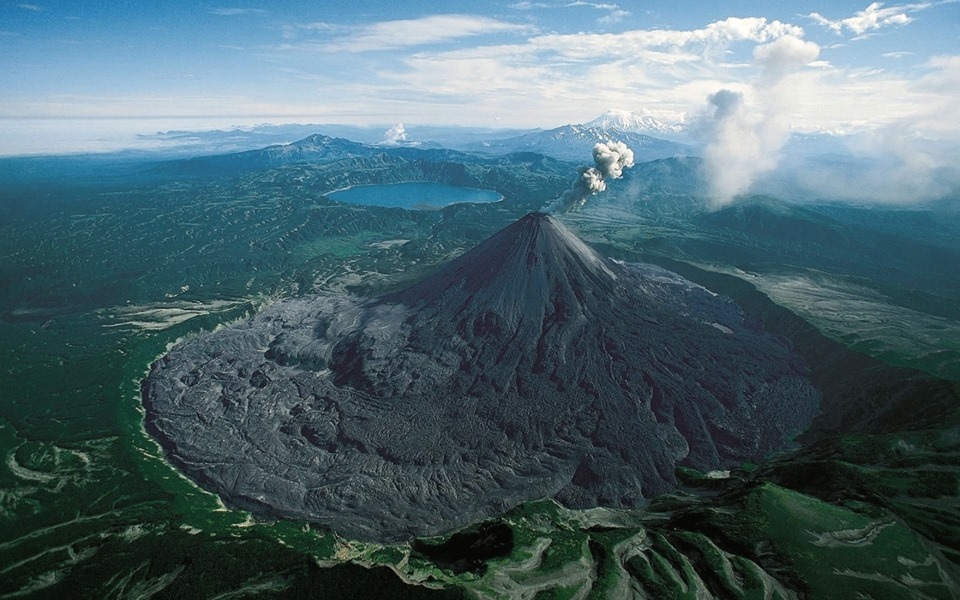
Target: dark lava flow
[[528, 367]]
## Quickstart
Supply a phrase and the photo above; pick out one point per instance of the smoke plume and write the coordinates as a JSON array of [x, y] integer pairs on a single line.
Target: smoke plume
[[744, 142], [395, 135], [609, 161]]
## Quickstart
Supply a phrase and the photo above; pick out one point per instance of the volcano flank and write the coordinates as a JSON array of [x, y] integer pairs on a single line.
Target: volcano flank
[[528, 367]]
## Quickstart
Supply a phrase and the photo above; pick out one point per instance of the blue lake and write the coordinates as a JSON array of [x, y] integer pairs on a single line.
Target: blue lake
[[413, 195]]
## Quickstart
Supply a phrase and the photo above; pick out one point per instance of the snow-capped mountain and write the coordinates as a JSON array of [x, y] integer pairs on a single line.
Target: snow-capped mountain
[[626, 121], [575, 143]]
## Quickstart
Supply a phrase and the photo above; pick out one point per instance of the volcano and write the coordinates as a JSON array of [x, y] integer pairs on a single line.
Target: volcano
[[528, 367]]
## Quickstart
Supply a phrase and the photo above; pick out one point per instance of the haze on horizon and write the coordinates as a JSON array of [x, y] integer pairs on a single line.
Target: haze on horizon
[[88, 77]]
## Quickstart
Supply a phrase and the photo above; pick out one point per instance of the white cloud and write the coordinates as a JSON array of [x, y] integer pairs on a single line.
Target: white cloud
[[30, 7], [904, 134], [945, 76], [872, 18], [233, 12], [433, 29], [615, 16], [529, 5], [615, 13], [783, 56], [597, 5], [710, 39], [561, 77], [564, 77], [292, 32]]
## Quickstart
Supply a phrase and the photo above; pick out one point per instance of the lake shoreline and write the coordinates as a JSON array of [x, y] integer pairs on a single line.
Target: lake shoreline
[[427, 195]]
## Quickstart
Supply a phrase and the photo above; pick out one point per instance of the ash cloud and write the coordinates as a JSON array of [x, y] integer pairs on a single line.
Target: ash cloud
[[609, 161], [744, 138]]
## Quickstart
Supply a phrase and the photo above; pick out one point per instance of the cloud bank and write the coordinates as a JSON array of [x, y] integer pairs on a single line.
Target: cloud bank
[[908, 160]]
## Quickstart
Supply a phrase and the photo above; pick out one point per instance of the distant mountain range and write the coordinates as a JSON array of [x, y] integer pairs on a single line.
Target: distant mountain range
[[181, 143], [315, 148], [811, 165], [575, 143], [569, 143], [643, 133]]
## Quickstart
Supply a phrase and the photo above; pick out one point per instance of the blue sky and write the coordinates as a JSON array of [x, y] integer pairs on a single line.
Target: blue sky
[[844, 66]]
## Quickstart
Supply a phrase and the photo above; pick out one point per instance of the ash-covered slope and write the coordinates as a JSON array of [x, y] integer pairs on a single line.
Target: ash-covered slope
[[529, 367]]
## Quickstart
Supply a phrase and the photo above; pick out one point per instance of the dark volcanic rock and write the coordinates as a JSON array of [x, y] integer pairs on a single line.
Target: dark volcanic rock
[[529, 367]]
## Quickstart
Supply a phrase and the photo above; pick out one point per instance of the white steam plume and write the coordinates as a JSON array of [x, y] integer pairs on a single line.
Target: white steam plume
[[610, 159], [395, 135], [744, 142]]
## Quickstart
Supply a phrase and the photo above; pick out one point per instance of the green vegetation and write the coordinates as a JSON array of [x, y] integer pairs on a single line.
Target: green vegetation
[[97, 279]]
